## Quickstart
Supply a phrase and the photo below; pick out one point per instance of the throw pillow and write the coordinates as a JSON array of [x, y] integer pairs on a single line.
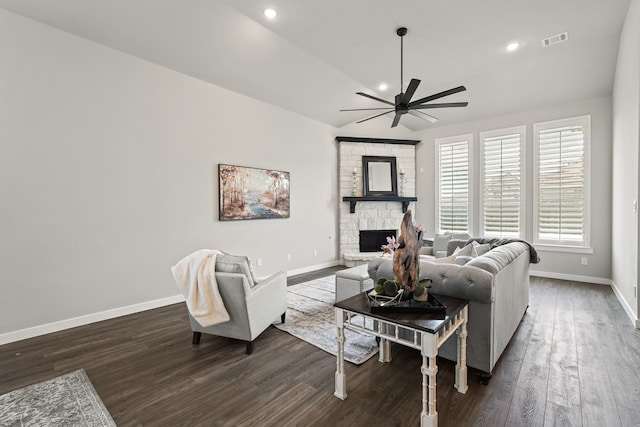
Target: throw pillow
[[481, 249], [228, 263], [440, 243], [468, 250]]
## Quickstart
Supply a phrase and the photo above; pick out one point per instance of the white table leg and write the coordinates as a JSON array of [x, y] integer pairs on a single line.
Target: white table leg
[[461, 363], [341, 378], [429, 415]]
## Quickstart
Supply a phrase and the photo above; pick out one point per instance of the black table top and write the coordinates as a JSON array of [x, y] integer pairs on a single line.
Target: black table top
[[431, 323]]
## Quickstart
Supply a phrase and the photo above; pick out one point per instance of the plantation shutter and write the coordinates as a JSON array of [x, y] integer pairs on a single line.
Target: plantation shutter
[[561, 184], [501, 200], [453, 206]]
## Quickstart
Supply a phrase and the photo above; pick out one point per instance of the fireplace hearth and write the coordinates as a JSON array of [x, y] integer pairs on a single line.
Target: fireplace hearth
[[372, 240]]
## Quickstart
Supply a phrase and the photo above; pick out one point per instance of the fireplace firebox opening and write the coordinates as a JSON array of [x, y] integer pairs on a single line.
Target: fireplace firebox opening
[[372, 240]]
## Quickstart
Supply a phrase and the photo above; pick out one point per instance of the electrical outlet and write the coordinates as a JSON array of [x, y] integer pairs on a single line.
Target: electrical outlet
[[288, 257], [315, 252], [259, 262], [585, 261]]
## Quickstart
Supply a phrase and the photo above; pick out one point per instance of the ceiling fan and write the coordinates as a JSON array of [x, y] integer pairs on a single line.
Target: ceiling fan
[[403, 103]]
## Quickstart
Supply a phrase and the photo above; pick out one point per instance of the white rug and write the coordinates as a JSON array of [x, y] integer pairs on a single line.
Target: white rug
[[311, 317], [67, 400]]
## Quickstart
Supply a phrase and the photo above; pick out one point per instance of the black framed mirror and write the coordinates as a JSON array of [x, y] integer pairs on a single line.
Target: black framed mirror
[[380, 177]]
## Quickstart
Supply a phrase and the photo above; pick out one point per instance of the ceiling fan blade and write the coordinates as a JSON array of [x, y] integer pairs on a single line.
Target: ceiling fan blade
[[424, 116], [444, 105], [411, 89], [396, 120], [367, 109], [438, 95], [373, 117], [375, 98]]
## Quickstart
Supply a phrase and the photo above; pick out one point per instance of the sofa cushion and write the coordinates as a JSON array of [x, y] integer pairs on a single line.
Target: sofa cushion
[[499, 257], [451, 259], [240, 264]]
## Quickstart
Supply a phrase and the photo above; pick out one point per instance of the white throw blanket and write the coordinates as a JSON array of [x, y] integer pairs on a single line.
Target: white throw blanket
[[195, 276]]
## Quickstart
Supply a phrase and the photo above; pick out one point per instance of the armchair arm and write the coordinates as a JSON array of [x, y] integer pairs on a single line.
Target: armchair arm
[[276, 279], [267, 301]]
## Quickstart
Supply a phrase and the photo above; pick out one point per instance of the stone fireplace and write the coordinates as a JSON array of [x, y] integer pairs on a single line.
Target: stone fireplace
[[371, 215]]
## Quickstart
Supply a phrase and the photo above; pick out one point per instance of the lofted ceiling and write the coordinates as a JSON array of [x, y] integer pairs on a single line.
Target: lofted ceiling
[[316, 55]]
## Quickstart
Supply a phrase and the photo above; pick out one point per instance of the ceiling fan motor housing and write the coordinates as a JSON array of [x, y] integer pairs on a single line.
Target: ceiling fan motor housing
[[401, 107]]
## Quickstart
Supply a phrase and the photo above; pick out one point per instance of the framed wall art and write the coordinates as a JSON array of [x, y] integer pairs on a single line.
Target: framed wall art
[[252, 193]]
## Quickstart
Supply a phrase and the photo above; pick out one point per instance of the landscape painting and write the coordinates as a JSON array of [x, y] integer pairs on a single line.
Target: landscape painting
[[251, 193]]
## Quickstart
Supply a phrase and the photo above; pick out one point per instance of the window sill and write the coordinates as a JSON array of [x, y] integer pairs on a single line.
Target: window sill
[[558, 248]]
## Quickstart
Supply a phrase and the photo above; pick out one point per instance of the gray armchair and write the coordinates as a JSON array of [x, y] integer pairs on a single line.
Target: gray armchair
[[252, 305]]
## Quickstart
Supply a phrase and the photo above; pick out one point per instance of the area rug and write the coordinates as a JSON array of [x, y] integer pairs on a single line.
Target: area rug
[[67, 400], [311, 317]]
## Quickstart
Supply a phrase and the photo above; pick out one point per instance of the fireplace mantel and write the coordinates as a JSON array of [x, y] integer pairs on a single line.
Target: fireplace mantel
[[353, 200], [378, 140]]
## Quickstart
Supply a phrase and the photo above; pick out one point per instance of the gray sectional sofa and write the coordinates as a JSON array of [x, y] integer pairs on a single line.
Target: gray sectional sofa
[[497, 287]]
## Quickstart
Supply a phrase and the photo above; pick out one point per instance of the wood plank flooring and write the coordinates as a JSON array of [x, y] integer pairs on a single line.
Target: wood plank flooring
[[574, 361]]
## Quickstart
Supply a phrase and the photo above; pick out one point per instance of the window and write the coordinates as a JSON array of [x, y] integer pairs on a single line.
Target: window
[[561, 176], [502, 182], [454, 170]]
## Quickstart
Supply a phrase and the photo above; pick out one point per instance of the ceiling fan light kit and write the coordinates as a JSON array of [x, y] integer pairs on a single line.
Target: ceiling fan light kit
[[402, 103]]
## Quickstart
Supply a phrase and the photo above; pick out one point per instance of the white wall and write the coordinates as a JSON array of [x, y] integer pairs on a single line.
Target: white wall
[[626, 131], [553, 264], [108, 177]]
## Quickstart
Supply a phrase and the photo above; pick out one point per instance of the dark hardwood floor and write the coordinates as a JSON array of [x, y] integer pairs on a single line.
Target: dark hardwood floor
[[574, 361]]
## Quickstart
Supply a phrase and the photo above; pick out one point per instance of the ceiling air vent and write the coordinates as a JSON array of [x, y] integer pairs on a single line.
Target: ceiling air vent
[[555, 39]]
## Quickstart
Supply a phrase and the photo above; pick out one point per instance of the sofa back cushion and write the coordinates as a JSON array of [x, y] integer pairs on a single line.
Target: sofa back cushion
[[499, 257]]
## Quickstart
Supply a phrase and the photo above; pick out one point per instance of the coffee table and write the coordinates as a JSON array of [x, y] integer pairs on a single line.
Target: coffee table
[[425, 332]]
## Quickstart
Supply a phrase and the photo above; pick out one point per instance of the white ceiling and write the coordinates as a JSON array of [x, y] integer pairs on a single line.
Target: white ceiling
[[316, 54]]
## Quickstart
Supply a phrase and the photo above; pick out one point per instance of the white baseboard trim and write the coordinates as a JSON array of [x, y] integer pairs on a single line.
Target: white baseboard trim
[[572, 277], [597, 280], [61, 325], [312, 268], [87, 319], [625, 305]]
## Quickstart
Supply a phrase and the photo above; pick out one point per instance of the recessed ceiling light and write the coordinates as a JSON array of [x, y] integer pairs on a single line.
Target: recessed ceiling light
[[270, 13], [382, 86], [513, 46]]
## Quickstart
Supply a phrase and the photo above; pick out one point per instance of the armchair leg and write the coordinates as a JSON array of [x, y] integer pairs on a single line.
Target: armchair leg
[[282, 316], [249, 347], [196, 338]]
